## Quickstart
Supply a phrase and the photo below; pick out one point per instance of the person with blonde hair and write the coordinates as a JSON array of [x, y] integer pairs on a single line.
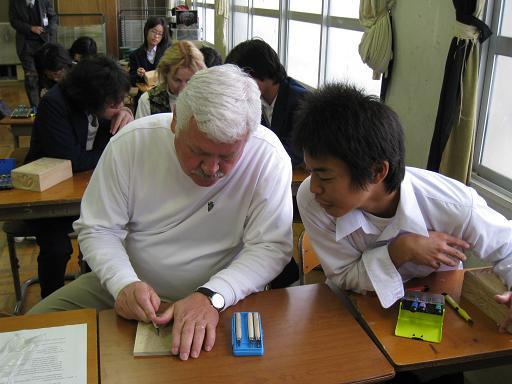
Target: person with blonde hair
[[175, 69]]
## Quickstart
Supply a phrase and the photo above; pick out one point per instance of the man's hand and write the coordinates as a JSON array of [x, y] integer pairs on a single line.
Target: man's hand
[[195, 323], [37, 29], [120, 119], [439, 248], [505, 298], [137, 301]]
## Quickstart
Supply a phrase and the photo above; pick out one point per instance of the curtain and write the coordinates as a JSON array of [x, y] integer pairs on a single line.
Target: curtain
[[375, 48], [221, 18], [451, 148]]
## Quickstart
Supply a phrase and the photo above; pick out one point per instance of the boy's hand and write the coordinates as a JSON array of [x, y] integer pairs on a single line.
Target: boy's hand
[[505, 298], [439, 248]]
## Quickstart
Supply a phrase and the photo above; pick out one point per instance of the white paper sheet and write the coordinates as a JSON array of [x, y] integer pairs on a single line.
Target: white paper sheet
[[44, 355]]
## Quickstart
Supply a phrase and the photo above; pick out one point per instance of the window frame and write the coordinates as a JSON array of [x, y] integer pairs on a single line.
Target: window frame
[[284, 15], [495, 188]]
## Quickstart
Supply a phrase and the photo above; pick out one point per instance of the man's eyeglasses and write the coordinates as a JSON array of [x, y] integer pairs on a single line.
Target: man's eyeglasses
[[156, 33]]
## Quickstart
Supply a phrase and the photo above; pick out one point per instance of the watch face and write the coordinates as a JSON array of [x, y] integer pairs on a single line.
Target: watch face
[[217, 301]]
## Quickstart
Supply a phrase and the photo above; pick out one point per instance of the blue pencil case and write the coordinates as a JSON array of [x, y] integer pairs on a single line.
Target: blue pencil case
[[245, 346]]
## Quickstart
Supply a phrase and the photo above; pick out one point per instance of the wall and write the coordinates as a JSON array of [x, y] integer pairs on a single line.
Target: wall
[[423, 32]]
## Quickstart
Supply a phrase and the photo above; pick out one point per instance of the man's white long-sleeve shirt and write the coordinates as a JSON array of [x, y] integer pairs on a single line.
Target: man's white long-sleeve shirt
[[143, 218], [354, 252]]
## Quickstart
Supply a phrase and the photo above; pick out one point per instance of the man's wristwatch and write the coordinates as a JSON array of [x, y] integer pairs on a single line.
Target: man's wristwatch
[[215, 298]]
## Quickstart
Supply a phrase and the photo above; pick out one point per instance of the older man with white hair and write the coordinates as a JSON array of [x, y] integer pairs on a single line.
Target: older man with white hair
[[193, 209]]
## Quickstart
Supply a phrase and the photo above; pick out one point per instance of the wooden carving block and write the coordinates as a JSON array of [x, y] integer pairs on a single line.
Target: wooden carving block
[[479, 288], [41, 174], [151, 78], [149, 343]]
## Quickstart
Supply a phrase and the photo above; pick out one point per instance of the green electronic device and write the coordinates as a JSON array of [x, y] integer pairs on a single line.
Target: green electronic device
[[421, 316]]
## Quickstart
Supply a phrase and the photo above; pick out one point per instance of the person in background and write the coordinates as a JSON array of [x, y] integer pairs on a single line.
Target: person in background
[[211, 56], [376, 223], [83, 47], [175, 69], [75, 121], [35, 23], [148, 55], [52, 63], [280, 94], [198, 198]]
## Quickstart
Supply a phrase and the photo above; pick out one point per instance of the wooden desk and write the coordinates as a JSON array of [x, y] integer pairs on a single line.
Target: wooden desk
[[308, 334], [60, 200], [462, 346], [54, 319], [18, 127]]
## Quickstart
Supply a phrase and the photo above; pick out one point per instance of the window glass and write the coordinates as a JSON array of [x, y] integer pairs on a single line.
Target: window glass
[[344, 62], [303, 51], [345, 8], [498, 134], [506, 19], [266, 28], [209, 31], [308, 6], [268, 4], [240, 26], [244, 3]]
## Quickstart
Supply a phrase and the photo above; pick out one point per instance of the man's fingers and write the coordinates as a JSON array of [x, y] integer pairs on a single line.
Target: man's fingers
[[165, 316], [209, 341], [197, 342]]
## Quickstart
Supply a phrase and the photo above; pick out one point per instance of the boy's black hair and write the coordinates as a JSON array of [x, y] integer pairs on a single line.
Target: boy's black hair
[[94, 83], [258, 59], [212, 58], [341, 121], [51, 57], [152, 22], [84, 46]]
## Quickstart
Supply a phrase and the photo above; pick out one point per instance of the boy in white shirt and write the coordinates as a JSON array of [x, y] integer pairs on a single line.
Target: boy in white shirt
[[374, 222]]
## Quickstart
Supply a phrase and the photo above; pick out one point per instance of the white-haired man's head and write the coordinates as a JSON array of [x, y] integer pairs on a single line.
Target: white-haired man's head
[[215, 115], [223, 100]]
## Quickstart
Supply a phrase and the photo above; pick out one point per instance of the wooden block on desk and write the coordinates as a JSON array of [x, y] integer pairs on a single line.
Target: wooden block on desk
[[149, 343], [151, 78], [41, 174], [480, 287]]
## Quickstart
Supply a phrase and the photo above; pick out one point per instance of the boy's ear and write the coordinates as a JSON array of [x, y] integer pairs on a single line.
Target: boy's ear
[[380, 171]]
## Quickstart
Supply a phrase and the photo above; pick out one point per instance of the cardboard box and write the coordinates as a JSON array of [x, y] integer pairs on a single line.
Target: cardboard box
[[41, 174]]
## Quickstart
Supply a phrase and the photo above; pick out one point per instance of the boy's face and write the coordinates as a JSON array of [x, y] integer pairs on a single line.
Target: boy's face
[[331, 183]]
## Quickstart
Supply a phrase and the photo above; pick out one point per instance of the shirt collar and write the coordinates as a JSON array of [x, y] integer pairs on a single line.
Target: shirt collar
[[408, 218]]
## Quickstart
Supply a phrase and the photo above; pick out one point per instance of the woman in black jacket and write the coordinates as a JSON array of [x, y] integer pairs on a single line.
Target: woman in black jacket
[[146, 57]]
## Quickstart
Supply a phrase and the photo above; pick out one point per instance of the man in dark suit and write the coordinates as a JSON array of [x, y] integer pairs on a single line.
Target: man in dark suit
[[75, 121], [280, 94], [35, 23]]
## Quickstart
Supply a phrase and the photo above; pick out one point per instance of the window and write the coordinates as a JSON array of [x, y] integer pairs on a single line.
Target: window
[[314, 45], [206, 16], [491, 166]]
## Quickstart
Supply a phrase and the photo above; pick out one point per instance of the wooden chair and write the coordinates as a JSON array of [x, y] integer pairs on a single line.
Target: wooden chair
[[308, 259]]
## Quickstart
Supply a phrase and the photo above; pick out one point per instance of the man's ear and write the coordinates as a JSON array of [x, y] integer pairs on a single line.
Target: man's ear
[[173, 122], [380, 171]]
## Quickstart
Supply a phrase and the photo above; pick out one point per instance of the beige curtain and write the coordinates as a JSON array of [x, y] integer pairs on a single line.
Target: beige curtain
[[375, 47], [458, 154], [221, 26]]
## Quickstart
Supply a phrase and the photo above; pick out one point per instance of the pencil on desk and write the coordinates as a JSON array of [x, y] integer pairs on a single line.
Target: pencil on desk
[[462, 313]]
